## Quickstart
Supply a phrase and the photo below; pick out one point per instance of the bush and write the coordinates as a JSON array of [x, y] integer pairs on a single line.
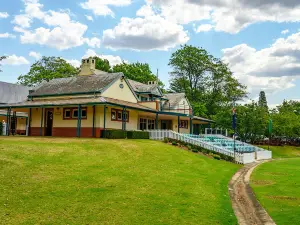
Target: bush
[[166, 140], [115, 134], [189, 147], [174, 143], [138, 135], [195, 150], [217, 157]]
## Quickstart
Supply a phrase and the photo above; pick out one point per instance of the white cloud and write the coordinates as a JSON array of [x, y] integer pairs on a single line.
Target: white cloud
[[102, 7], [62, 32], [15, 60], [229, 15], [270, 69], [93, 42], [90, 18], [113, 60], [74, 62], [3, 15], [285, 31], [7, 35], [152, 32], [204, 28], [35, 55]]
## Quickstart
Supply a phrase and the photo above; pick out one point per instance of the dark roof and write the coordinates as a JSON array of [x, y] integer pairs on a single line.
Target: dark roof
[[77, 84], [173, 99], [145, 88], [203, 119], [12, 93], [77, 101]]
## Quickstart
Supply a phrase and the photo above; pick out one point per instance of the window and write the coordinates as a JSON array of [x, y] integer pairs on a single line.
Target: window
[[151, 125], [143, 124], [184, 124], [116, 115], [67, 114], [147, 124], [72, 113]]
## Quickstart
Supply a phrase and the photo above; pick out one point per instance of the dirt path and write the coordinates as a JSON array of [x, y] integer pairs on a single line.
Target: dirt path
[[245, 205]]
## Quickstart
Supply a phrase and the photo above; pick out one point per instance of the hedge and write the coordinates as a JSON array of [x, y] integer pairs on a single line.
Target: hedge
[[115, 134], [194, 148], [121, 134], [138, 135]]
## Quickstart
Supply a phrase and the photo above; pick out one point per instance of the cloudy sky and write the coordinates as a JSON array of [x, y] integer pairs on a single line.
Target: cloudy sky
[[259, 41]]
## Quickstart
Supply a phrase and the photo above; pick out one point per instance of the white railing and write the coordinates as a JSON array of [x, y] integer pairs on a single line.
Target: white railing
[[3, 129], [239, 157]]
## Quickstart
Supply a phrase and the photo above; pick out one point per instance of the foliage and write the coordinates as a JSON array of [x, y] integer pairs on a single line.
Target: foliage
[[2, 58], [115, 134], [262, 101], [174, 143], [46, 69], [140, 72], [102, 64], [166, 140], [207, 81], [276, 185], [217, 157], [105, 181], [138, 135]]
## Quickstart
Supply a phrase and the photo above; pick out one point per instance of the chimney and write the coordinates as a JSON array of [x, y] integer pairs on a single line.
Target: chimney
[[152, 82], [88, 67]]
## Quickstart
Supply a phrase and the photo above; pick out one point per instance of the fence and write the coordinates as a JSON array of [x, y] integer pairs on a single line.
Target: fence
[[242, 158]]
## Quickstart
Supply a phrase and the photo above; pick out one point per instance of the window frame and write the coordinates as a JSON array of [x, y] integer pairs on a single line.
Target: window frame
[[117, 111], [72, 113], [184, 124]]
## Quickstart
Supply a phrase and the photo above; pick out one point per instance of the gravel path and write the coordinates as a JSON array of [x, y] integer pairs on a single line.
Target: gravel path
[[245, 205]]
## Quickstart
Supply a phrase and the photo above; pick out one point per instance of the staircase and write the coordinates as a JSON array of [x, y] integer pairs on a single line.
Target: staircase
[[245, 153]]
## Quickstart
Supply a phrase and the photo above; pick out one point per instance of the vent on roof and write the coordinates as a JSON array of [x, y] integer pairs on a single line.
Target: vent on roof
[[152, 82]]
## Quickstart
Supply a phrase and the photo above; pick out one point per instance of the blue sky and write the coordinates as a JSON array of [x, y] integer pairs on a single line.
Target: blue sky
[[259, 41]]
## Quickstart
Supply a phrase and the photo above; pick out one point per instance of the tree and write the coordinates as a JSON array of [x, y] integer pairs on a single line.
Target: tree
[[2, 58], [204, 79], [46, 69], [103, 64], [262, 102], [140, 72]]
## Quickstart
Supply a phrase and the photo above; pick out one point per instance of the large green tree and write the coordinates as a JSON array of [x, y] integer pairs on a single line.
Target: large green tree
[[103, 65], [140, 72], [206, 80], [46, 69], [2, 58], [262, 101]]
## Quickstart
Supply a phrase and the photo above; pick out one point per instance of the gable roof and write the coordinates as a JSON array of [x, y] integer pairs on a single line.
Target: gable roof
[[139, 87], [173, 99], [77, 84], [12, 93]]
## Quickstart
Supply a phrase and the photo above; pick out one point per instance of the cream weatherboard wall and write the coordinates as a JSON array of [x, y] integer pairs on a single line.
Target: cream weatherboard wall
[[116, 92]]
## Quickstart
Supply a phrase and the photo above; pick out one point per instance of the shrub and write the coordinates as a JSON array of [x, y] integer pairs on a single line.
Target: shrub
[[166, 140], [138, 135], [174, 143], [189, 147], [217, 157], [194, 150], [115, 134]]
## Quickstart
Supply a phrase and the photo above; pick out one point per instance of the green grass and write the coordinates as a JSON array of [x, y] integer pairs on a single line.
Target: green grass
[[92, 181], [277, 185], [284, 152]]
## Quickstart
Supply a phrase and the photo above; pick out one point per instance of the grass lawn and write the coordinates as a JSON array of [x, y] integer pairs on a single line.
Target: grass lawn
[[277, 185], [284, 152], [93, 181]]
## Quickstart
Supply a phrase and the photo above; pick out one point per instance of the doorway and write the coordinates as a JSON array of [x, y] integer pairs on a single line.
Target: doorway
[[166, 124], [48, 122]]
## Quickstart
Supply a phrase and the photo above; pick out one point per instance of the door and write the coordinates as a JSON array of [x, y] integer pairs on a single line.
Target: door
[[48, 122], [166, 125]]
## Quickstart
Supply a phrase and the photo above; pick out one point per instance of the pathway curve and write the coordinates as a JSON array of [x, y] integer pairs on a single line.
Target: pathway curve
[[245, 205]]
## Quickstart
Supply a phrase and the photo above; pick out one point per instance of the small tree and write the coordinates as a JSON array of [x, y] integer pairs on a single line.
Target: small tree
[[262, 102], [46, 69]]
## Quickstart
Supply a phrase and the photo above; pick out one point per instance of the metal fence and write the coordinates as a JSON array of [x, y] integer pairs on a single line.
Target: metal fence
[[242, 158]]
